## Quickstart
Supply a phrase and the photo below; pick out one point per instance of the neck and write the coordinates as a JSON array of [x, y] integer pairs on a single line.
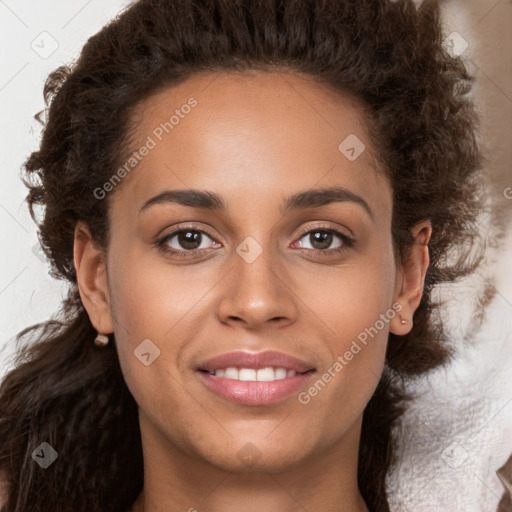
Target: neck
[[176, 482]]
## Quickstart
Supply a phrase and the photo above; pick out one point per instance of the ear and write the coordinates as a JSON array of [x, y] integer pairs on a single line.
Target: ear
[[411, 279], [91, 274]]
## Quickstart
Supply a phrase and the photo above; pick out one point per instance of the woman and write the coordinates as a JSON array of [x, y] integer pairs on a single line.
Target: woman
[[251, 202]]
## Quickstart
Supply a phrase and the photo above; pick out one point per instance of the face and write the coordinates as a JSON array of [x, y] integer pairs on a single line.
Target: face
[[251, 318]]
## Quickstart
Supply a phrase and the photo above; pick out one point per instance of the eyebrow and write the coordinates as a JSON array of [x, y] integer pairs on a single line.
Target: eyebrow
[[301, 200]]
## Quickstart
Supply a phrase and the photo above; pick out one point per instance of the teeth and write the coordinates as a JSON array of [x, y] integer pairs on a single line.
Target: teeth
[[280, 373], [267, 374], [247, 374], [251, 375], [230, 373]]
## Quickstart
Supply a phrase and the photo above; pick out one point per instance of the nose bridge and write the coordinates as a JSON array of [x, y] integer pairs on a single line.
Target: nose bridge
[[256, 291]]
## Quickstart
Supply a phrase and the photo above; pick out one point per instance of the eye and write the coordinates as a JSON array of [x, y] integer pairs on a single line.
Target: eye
[[190, 241], [186, 242], [325, 240]]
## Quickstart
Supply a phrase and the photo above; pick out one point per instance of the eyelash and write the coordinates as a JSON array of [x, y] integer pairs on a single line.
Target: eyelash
[[161, 243]]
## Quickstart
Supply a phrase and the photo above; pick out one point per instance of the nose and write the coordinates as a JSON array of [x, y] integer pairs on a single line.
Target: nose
[[257, 294]]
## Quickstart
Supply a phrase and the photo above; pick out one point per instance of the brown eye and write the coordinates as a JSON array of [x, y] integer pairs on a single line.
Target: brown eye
[[322, 239], [186, 240], [189, 239]]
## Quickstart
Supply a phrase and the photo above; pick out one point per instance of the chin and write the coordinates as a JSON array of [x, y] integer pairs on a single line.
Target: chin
[[257, 456]]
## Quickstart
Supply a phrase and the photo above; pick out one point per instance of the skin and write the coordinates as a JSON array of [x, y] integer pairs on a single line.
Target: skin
[[254, 139]]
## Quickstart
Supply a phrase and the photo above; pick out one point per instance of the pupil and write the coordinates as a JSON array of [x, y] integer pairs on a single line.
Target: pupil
[[187, 239], [322, 237]]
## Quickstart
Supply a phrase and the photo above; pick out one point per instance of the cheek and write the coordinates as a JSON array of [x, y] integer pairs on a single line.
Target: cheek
[[148, 313], [356, 304], [351, 299], [152, 300], [151, 297]]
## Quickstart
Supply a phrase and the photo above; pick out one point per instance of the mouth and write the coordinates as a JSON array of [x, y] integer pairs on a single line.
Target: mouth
[[267, 374], [255, 378]]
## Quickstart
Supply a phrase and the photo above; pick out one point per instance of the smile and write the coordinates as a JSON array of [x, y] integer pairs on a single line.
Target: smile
[[255, 378], [250, 374]]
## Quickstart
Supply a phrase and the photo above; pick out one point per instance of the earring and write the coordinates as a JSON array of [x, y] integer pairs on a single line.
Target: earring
[[402, 321], [101, 340]]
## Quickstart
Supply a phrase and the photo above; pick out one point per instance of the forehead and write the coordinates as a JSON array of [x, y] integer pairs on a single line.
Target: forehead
[[252, 135]]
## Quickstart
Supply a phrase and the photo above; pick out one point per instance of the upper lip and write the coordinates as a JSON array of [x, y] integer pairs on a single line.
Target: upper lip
[[255, 360]]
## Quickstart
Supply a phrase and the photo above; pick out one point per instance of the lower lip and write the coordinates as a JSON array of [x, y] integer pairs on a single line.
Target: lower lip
[[255, 392]]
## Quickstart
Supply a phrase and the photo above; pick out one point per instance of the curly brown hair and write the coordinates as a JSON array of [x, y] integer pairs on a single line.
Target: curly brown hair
[[388, 54]]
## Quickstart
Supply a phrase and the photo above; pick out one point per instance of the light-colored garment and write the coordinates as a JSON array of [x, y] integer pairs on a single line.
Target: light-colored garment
[[458, 432]]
